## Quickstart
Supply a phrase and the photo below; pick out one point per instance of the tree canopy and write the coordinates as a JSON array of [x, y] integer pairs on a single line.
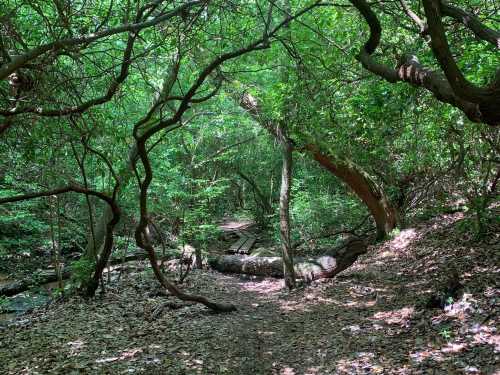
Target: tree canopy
[[146, 123]]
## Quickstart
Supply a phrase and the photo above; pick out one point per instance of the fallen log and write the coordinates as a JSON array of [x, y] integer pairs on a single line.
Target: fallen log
[[48, 276], [20, 286], [308, 269]]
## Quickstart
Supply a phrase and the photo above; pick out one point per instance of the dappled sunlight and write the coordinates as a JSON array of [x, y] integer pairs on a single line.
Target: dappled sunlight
[[483, 334], [312, 371], [362, 363], [287, 371], [367, 320], [477, 335], [461, 308], [359, 304], [399, 244], [126, 354], [303, 306], [264, 287], [361, 297], [230, 225], [447, 220], [75, 347], [430, 353], [453, 347], [290, 306], [401, 316]]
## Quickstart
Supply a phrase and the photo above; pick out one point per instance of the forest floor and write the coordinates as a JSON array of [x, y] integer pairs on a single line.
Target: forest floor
[[371, 319]]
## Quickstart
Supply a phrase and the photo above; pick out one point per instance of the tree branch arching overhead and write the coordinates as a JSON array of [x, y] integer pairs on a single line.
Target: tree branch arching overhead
[[479, 104]]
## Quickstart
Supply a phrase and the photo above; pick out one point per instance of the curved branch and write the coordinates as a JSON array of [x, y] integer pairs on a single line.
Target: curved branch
[[261, 43], [441, 50], [414, 17], [480, 30], [21, 60], [112, 90], [61, 190], [479, 104]]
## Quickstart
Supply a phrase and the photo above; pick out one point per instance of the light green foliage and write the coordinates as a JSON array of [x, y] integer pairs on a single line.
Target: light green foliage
[[424, 154], [81, 270]]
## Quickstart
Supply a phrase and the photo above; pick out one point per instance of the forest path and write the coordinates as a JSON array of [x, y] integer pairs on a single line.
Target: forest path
[[365, 321], [244, 230]]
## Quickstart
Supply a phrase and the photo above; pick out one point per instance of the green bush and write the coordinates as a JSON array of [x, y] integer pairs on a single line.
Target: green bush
[[81, 271]]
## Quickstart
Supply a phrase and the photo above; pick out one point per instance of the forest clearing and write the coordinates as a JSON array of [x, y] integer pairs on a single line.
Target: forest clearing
[[258, 187]]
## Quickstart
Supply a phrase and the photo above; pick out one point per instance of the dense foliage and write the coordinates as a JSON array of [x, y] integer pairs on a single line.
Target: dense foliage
[[166, 112]]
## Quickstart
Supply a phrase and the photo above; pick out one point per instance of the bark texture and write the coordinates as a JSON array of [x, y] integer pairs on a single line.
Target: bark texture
[[286, 181], [449, 85], [384, 214]]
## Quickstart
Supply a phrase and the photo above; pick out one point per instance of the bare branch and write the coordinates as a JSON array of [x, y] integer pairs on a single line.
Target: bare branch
[[20, 60], [473, 23]]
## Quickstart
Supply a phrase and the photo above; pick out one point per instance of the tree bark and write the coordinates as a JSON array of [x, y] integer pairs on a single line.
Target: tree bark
[[307, 269], [94, 245], [479, 104], [286, 182], [384, 214], [106, 250], [286, 174]]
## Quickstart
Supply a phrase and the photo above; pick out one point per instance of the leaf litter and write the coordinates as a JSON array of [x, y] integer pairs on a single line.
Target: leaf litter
[[371, 319]]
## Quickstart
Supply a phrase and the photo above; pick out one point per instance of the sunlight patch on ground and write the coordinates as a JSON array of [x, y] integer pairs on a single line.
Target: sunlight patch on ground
[[426, 355], [266, 286], [453, 347], [399, 244], [486, 335], [233, 224], [75, 346], [361, 364], [292, 306], [400, 317], [124, 355], [310, 300], [360, 304], [312, 371]]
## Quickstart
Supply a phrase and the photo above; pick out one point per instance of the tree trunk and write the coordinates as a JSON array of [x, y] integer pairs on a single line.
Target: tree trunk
[[94, 245], [307, 269], [384, 214], [106, 251], [102, 241], [286, 175], [286, 180]]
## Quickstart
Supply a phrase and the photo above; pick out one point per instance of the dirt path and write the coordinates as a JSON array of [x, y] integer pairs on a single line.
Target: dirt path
[[366, 321]]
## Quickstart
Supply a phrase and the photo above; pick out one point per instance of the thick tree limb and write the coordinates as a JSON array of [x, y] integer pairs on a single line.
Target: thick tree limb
[[145, 128], [379, 206], [478, 103], [469, 20]]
